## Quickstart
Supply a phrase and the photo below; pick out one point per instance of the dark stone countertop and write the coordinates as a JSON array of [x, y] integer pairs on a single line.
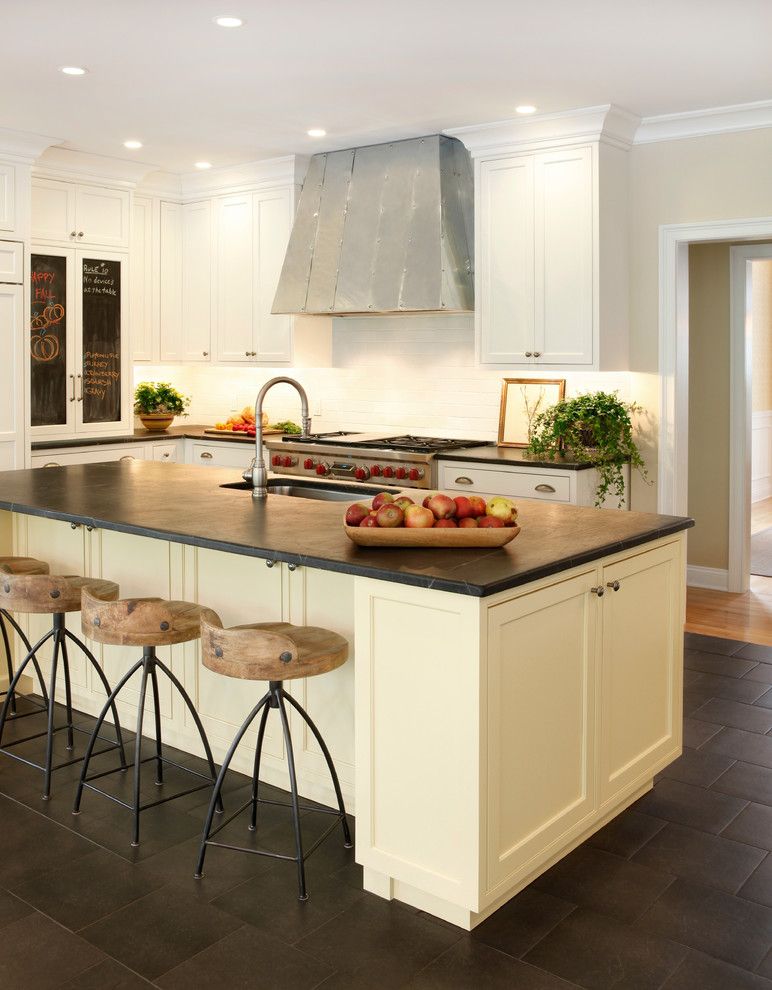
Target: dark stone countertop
[[493, 455], [184, 504], [141, 435]]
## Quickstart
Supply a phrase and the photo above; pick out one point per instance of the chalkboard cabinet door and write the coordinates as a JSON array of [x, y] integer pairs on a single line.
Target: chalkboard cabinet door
[[66, 213], [52, 341]]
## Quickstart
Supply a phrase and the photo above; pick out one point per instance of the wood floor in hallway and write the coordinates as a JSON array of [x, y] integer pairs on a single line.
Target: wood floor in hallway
[[746, 617]]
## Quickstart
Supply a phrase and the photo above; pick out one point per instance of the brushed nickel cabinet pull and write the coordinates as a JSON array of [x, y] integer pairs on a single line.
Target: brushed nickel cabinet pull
[[600, 591], [80, 386], [128, 457], [206, 456], [544, 488], [614, 585], [463, 480], [52, 464], [72, 382]]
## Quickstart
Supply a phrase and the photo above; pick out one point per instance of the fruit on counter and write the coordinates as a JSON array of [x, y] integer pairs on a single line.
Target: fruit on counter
[[382, 498], [427, 500], [356, 513], [369, 521], [467, 522], [446, 524], [389, 515], [502, 508], [403, 502], [419, 517], [463, 507], [286, 426], [442, 506], [477, 503], [490, 522]]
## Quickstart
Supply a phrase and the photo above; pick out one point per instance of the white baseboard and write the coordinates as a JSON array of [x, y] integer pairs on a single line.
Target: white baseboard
[[715, 578], [761, 488]]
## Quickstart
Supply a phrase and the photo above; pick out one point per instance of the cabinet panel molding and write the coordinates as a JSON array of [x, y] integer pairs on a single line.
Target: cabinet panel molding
[[7, 197]]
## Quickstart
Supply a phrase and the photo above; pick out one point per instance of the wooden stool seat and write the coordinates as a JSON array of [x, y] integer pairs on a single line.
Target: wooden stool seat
[[270, 651], [48, 594], [139, 621], [22, 565]]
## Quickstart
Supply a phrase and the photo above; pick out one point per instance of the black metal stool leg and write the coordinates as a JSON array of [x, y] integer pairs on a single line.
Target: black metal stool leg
[[106, 685], [110, 703], [7, 617], [51, 713], [278, 693], [256, 773], [264, 701], [8, 663], [330, 765], [159, 766], [67, 684], [148, 660], [199, 724], [17, 677]]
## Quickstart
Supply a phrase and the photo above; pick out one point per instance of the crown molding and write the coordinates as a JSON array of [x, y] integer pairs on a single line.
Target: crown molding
[[24, 147], [233, 178], [701, 123], [606, 123], [64, 163]]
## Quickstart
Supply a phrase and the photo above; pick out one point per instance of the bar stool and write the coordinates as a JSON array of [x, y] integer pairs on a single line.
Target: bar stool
[[20, 565], [46, 594], [149, 623], [273, 652]]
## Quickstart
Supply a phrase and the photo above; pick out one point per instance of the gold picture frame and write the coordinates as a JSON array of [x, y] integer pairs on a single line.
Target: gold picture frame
[[522, 399]]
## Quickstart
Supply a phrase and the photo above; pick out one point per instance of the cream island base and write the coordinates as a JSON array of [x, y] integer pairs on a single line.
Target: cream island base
[[478, 739]]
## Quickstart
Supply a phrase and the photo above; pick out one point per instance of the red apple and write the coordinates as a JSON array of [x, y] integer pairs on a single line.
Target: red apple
[[356, 513], [417, 517], [467, 522], [403, 502], [381, 499], [490, 522], [369, 521], [477, 503], [463, 507], [426, 501], [446, 524], [389, 515], [442, 506]]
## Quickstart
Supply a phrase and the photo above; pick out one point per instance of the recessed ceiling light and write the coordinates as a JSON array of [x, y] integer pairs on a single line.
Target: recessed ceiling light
[[203, 165], [228, 21], [316, 132], [525, 108], [132, 144], [73, 70]]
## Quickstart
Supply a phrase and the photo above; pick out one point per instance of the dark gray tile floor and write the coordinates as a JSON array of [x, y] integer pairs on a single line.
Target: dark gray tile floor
[[674, 894]]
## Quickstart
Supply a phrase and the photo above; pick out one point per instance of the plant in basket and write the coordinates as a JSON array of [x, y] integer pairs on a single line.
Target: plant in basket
[[157, 403]]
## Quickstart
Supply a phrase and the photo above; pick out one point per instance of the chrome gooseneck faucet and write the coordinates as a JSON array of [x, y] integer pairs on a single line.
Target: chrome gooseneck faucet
[[256, 473]]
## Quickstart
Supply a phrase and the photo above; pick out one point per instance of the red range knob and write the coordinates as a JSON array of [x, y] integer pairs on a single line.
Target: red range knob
[[414, 474], [308, 463], [321, 469], [361, 474], [276, 460], [388, 472], [288, 461], [375, 470], [401, 473]]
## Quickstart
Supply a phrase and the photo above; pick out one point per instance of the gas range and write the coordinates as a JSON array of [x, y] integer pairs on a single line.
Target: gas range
[[405, 461]]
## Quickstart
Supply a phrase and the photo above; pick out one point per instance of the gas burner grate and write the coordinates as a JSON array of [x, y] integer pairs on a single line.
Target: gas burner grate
[[427, 445]]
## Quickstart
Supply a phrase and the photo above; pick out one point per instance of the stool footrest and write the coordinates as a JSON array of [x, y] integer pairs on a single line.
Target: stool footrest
[[59, 766], [88, 782]]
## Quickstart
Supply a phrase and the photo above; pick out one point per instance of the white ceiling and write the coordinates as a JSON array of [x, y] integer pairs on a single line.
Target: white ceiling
[[162, 72]]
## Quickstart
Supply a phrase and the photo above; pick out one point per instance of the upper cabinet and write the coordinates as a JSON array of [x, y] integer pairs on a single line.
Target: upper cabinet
[[7, 197], [67, 213], [551, 292], [196, 260], [171, 345], [143, 284]]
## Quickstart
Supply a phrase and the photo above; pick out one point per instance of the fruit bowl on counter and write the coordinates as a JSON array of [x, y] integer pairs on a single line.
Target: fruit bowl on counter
[[440, 521]]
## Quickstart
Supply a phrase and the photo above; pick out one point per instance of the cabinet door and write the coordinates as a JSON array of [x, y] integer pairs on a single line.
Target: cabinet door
[[506, 261], [235, 278], [141, 310], [103, 370], [12, 262], [52, 341], [171, 282], [11, 378], [541, 703], [7, 197], [197, 281], [640, 667], [53, 211], [564, 257], [102, 216], [271, 230]]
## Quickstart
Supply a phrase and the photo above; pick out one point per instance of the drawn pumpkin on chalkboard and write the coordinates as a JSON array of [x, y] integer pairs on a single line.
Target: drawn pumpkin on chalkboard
[[45, 346]]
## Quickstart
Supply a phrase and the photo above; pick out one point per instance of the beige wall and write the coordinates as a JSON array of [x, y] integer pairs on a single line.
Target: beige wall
[[762, 336], [725, 177]]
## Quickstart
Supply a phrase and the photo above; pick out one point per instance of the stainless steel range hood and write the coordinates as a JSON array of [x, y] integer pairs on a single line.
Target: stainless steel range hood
[[383, 229]]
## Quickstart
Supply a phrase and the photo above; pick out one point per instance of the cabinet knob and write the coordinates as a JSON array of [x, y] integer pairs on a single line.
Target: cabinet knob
[[537, 353], [80, 233], [600, 591], [292, 567], [270, 563], [73, 233], [205, 353], [166, 455], [614, 585], [529, 353], [74, 525], [544, 488]]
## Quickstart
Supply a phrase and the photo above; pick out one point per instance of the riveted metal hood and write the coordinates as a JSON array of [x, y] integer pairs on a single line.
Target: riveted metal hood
[[383, 229]]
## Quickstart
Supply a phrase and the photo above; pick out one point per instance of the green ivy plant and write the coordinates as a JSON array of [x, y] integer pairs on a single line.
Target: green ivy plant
[[160, 397], [596, 428]]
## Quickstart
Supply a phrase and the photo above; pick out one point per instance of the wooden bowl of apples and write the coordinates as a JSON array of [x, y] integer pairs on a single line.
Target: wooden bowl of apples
[[440, 521]]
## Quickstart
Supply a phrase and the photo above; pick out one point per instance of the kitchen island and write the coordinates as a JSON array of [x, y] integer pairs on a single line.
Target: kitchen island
[[500, 705]]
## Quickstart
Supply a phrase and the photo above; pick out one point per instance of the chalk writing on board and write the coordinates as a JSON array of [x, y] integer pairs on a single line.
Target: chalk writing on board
[[101, 280], [48, 340]]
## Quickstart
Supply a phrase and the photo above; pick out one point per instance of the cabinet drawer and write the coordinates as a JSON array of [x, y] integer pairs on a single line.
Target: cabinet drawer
[[221, 454], [11, 262], [551, 486], [86, 455], [166, 452]]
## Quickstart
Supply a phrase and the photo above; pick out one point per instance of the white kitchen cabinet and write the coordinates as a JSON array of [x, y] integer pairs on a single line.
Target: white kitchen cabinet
[[61, 457], [11, 262], [522, 481], [550, 294], [69, 213], [272, 222], [11, 382], [7, 197], [197, 281], [171, 347], [144, 343], [228, 453]]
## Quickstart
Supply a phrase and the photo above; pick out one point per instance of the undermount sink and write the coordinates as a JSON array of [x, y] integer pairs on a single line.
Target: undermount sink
[[309, 489]]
